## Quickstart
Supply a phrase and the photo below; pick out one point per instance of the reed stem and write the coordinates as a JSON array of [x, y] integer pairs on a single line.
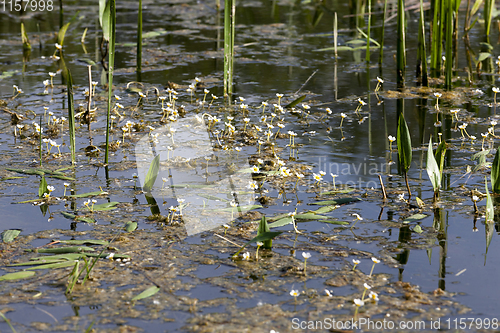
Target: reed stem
[[112, 33]]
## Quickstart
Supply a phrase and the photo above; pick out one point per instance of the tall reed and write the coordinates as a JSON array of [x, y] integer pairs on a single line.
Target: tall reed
[[139, 38], [112, 33], [449, 45], [368, 31], [401, 45], [488, 15], [71, 116], [229, 21], [422, 54], [381, 54], [436, 38]]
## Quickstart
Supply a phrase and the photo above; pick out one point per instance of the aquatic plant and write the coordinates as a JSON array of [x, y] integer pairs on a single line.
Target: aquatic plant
[[404, 148], [229, 34], [306, 256], [375, 261], [109, 24], [433, 170], [401, 45]]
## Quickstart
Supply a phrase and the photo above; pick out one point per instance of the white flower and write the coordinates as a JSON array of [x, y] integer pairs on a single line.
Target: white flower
[[475, 198], [355, 262], [361, 101], [357, 216], [306, 255], [391, 138], [375, 260], [358, 302], [50, 188], [367, 286], [260, 244], [495, 90], [59, 47], [328, 293], [252, 185], [374, 296], [438, 94], [380, 80], [246, 256], [294, 293]]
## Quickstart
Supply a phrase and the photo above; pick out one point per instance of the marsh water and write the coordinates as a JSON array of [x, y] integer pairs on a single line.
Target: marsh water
[[447, 271]]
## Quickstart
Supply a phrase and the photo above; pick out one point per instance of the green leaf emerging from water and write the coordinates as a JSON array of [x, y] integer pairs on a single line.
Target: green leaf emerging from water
[[433, 168], [42, 189], [495, 173], [263, 228], [152, 174], [417, 229], [490, 210], [147, 293], [260, 238], [404, 144]]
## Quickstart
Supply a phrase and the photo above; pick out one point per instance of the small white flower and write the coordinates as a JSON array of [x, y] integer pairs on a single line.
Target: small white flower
[[367, 286], [436, 94], [375, 260], [356, 262], [328, 293], [294, 293], [246, 256], [306, 255], [358, 302], [391, 138], [357, 216]]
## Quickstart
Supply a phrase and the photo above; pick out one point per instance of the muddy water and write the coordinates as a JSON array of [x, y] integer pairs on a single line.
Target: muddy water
[[201, 288]]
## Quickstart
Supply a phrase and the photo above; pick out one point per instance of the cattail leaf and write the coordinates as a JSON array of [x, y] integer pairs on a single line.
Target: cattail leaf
[[433, 168], [404, 144], [147, 293], [154, 168]]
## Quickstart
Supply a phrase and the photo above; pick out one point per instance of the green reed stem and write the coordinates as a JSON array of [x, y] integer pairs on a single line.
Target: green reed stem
[[449, 45], [436, 41], [112, 33], [381, 54], [488, 14], [229, 21], [40, 143], [422, 54], [401, 45], [368, 31], [139, 38], [71, 117], [335, 33]]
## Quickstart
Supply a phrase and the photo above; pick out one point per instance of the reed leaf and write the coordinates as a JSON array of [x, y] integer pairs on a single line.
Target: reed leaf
[[404, 144], [154, 168], [16, 276], [381, 54], [449, 45], [229, 22]]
